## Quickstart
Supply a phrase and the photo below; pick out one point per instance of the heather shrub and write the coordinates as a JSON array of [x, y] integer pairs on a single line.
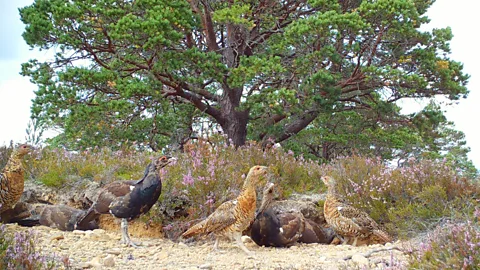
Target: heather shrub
[[210, 174], [17, 251], [451, 246], [404, 200], [55, 166]]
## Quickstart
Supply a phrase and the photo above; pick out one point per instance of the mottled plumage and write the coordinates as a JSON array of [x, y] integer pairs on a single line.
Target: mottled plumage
[[348, 221], [276, 229], [64, 217], [12, 178], [128, 199], [231, 218]]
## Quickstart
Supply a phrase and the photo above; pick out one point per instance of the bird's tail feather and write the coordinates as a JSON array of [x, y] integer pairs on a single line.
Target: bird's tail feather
[[90, 215], [28, 222], [196, 229], [382, 236]]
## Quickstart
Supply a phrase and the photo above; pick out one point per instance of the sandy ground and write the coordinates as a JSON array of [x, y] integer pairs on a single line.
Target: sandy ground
[[100, 249]]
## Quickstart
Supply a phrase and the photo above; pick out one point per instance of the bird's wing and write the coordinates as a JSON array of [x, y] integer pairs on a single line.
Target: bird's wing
[[293, 225], [358, 217], [223, 216]]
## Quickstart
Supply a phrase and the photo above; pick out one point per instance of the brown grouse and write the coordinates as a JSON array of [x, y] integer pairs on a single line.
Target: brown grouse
[[231, 218], [12, 178], [348, 221]]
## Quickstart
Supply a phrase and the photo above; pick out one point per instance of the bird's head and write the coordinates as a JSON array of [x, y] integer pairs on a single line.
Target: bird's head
[[267, 197], [23, 149], [163, 161], [255, 174], [268, 190], [328, 181], [257, 171]]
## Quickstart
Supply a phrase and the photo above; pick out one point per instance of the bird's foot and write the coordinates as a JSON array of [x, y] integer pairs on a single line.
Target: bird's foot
[[129, 243], [251, 255], [217, 250]]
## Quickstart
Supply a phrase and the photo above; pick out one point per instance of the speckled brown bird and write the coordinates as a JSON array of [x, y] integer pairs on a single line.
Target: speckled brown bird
[[128, 200], [64, 217], [275, 229], [231, 218], [12, 178], [348, 221]]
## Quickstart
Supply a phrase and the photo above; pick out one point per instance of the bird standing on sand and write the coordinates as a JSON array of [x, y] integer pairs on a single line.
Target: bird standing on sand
[[12, 178], [231, 218], [128, 200], [348, 221]]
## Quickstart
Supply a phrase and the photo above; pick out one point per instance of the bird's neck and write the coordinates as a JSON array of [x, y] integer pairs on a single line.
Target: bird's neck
[[265, 204], [14, 164], [248, 193], [333, 193]]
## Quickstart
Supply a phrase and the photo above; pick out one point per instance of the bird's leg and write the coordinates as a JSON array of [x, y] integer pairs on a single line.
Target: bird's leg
[[125, 237], [238, 239], [344, 240], [354, 241], [215, 246]]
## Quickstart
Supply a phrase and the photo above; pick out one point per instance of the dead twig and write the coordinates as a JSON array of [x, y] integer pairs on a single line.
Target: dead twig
[[368, 254]]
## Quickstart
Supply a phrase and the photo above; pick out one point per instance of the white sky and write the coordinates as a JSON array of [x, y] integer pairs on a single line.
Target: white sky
[[16, 91]]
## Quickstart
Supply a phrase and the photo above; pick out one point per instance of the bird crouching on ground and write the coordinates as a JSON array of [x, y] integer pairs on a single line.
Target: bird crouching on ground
[[64, 218], [12, 178], [348, 221], [275, 229], [127, 200], [231, 218]]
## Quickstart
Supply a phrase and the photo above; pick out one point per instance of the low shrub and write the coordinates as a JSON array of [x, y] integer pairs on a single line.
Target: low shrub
[[18, 251], [451, 246]]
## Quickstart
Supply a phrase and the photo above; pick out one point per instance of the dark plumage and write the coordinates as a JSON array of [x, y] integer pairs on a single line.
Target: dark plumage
[[19, 212], [128, 199], [12, 178], [64, 217], [276, 229], [314, 233]]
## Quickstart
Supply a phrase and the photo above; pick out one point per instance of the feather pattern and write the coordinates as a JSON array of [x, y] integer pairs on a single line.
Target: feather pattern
[[348, 221], [12, 178], [231, 218]]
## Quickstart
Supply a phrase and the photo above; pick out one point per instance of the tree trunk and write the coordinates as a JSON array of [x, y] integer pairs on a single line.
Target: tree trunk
[[233, 121], [235, 127]]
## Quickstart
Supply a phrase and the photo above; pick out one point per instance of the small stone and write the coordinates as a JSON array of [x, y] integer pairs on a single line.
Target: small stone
[[109, 261], [205, 266], [388, 244], [78, 232], [114, 251], [294, 247], [160, 256], [183, 245], [360, 259], [58, 236], [98, 231], [322, 259]]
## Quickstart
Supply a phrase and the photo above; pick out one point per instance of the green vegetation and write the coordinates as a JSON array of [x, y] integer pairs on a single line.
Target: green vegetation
[[157, 72], [321, 77]]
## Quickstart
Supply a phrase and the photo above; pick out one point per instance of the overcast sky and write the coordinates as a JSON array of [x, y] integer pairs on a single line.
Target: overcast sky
[[16, 91]]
